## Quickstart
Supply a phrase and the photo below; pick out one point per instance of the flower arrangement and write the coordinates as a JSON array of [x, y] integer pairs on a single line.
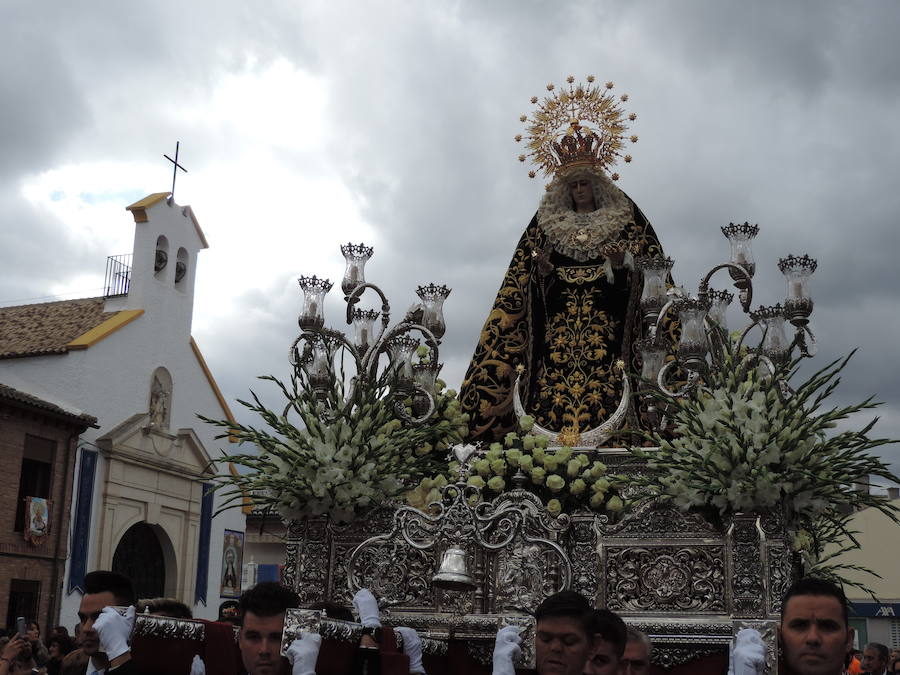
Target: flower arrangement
[[348, 453], [746, 443], [563, 478]]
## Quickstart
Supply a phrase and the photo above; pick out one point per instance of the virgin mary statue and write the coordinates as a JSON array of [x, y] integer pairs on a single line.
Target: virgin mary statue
[[560, 336]]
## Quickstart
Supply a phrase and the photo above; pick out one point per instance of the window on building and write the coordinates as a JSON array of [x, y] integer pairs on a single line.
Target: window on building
[[34, 481], [24, 595], [162, 256], [181, 267], [895, 633]]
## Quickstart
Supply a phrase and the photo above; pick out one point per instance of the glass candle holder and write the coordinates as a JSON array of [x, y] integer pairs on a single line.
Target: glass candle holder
[[740, 236], [314, 290], [401, 350], [775, 342], [718, 307], [653, 294], [797, 270], [653, 356], [356, 256], [432, 297], [692, 346], [318, 369], [424, 375], [364, 328]]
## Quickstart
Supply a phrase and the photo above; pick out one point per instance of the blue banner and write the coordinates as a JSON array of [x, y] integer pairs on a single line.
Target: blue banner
[[81, 528], [206, 510]]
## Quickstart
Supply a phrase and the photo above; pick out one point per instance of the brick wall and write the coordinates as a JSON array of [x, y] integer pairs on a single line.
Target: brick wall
[[20, 560]]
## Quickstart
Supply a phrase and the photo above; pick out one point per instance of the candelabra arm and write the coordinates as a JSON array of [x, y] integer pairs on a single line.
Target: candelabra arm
[[354, 297], [400, 409], [660, 379], [654, 329], [740, 342], [370, 360], [761, 358], [808, 349], [746, 295]]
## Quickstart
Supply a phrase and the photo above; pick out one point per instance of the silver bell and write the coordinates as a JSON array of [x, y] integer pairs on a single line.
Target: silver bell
[[454, 573]]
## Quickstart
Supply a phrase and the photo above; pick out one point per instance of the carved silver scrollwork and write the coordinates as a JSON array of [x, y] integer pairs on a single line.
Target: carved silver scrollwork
[[513, 537], [315, 621], [152, 626], [657, 519], [746, 566], [478, 631], [666, 579], [652, 561], [582, 548]]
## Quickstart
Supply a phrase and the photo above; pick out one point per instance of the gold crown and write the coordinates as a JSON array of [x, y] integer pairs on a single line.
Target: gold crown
[[580, 125]]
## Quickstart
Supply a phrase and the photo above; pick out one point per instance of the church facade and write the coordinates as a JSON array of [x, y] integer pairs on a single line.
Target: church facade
[[141, 502]]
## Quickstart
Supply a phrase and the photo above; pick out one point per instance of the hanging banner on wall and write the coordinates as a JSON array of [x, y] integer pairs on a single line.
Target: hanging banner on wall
[[37, 520], [232, 564]]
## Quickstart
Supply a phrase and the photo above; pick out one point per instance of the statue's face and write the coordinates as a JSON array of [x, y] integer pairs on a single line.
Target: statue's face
[[582, 191]]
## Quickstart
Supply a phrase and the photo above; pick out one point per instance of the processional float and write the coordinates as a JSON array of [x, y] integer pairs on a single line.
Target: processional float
[[610, 436]]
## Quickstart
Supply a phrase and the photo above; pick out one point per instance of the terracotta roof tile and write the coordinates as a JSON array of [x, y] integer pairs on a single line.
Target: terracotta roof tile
[[46, 328], [16, 396]]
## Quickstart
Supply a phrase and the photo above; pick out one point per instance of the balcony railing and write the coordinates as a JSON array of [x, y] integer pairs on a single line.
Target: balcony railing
[[118, 275]]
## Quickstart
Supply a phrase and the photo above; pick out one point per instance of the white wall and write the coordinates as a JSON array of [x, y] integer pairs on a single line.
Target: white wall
[[111, 379]]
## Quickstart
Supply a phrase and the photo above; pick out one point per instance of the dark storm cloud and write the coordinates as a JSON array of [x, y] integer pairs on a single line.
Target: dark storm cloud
[[42, 107], [778, 113], [770, 113]]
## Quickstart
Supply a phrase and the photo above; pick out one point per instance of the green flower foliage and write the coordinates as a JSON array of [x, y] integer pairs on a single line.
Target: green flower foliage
[[562, 477], [361, 457], [742, 444]]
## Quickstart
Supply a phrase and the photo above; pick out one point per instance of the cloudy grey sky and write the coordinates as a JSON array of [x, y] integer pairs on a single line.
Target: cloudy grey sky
[[307, 124]]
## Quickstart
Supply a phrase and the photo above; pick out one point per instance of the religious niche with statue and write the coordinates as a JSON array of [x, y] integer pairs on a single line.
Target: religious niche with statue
[[612, 435]]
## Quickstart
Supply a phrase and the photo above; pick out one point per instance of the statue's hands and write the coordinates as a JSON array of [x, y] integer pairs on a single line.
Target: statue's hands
[[615, 253], [542, 261]]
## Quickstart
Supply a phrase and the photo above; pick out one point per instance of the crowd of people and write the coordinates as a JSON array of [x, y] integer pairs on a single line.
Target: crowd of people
[[570, 636]]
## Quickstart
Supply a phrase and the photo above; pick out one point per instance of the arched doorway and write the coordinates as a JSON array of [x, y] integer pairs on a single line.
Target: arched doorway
[[139, 556]]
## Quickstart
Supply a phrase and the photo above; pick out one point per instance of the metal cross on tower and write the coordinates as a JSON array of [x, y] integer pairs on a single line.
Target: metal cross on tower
[[175, 167]]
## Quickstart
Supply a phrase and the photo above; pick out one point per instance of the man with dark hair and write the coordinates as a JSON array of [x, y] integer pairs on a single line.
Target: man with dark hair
[[104, 632], [563, 637], [262, 610], [636, 659], [815, 632], [875, 658], [610, 635]]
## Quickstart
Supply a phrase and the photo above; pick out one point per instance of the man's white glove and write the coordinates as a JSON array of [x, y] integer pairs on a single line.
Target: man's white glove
[[303, 653], [197, 666], [367, 607], [506, 649], [748, 653], [114, 629], [412, 647]]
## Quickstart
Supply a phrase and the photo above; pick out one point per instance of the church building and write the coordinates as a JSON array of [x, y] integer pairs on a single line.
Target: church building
[[141, 502]]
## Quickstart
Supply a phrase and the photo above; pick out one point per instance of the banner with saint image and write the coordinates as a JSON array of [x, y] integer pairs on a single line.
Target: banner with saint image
[[232, 564], [37, 519]]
